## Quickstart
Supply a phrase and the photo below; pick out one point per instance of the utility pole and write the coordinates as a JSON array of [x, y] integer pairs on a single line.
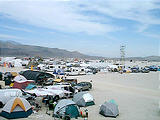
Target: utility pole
[[122, 53]]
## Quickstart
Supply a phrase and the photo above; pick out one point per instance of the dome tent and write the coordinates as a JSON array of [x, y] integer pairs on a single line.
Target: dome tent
[[16, 108], [109, 109], [21, 82], [66, 107], [83, 99], [19, 78]]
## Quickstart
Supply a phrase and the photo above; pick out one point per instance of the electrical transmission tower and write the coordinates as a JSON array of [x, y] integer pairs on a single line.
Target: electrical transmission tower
[[122, 53]]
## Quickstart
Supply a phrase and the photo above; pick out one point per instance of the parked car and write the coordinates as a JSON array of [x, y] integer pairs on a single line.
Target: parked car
[[70, 80], [158, 68], [153, 68], [145, 70], [48, 82], [135, 70], [83, 86]]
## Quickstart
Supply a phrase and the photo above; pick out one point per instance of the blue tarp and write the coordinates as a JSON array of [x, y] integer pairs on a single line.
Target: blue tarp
[[30, 86]]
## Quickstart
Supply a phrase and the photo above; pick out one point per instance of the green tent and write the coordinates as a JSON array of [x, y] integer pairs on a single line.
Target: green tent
[[66, 107]]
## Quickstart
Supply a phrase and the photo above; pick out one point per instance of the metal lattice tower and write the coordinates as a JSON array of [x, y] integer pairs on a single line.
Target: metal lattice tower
[[122, 53]]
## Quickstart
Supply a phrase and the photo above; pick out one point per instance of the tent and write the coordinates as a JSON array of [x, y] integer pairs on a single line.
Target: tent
[[83, 99], [66, 107], [109, 109], [21, 82], [19, 78], [16, 108]]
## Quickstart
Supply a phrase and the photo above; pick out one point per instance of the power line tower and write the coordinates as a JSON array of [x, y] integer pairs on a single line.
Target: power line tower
[[122, 53]]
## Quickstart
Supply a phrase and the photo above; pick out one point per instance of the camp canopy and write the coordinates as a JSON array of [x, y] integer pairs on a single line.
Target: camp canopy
[[109, 109], [66, 107], [83, 99], [16, 108]]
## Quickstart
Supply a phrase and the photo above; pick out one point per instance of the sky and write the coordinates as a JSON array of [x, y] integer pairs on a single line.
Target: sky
[[92, 27]]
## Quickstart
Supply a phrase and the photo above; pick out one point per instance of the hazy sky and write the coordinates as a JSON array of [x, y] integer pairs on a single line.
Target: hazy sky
[[93, 27]]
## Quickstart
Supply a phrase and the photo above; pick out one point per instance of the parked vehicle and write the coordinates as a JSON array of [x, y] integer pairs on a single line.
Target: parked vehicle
[[83, 86], [48, 82], [153, 68], [71, 80], [135, 70], [145, 70], [158, 68]]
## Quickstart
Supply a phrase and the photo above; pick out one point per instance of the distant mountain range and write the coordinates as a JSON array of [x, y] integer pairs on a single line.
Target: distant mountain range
[[11, 48]]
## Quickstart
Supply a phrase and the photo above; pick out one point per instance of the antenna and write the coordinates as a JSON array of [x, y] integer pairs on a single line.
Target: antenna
[[122, 53]]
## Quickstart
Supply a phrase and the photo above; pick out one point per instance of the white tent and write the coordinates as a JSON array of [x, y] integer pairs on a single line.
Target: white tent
[[17, 63], [20, 78]]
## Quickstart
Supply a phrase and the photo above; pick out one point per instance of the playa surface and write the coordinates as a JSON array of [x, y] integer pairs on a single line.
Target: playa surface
[[137, 95]]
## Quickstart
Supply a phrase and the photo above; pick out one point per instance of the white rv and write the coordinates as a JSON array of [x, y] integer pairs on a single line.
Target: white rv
[[76, 71]]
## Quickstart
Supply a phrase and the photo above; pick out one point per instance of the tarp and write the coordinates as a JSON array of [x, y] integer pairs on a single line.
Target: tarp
[[30, 86], [36, 75], [44, 92]]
